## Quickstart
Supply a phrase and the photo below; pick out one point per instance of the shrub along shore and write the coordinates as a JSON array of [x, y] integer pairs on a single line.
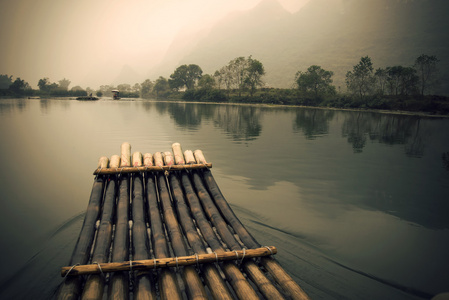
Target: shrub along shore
[[428, 104]]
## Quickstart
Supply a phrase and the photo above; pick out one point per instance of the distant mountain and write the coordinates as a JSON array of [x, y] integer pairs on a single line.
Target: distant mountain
[[331, 33], [113, 74], [127, 75], [216, 47]]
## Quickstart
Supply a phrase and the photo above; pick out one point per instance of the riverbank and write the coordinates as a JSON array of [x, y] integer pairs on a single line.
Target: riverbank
[[416, 104], [178, 98], [272, 105]]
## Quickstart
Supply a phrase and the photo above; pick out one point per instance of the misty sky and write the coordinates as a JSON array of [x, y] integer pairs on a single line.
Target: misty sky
[[76, 39]]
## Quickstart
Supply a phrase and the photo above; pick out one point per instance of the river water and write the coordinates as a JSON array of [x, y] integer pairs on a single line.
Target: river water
[[357, 203]]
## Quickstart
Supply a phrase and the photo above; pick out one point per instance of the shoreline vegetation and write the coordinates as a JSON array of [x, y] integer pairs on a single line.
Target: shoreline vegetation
[[361, 109], [179, 99], [426, 105], [395, 89]]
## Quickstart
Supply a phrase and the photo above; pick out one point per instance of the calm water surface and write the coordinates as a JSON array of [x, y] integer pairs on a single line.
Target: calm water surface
[[357, 203]]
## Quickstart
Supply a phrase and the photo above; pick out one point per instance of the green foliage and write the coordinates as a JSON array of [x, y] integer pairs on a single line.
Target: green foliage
[[277, 96], [78, 93], [129, 94], [5, 81], [360, 81], [185, 76], [381, 77], [241, 73], [43, 84], [76, 88], [146, 88], [206, 82], [64, 84], [315, 82], [205, 94], [237, 71], [161, 87], [46, 87], [106, 90], [426, 67], [124, 88], [99, 94], [224, 77], [402, 80], [255, 71], [19, 86], [136, 88]]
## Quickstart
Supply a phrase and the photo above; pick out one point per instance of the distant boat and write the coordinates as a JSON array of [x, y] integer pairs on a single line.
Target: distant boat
[[34, 97], [115, 94], [87, 98]]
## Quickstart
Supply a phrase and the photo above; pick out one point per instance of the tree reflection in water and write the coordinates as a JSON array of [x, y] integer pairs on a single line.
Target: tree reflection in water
[[313, 122], [187, 116], [359, 127], [242, 123], [386, 129]]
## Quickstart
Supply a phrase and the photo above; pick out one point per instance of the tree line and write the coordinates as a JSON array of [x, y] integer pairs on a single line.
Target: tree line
[[20, 87], [241, 80]]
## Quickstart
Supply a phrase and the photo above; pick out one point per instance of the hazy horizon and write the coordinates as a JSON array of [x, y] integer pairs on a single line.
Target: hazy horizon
[[86, 41], [103, 43]]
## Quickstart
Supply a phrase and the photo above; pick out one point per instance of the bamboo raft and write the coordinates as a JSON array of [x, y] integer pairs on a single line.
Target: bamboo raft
[[158, 227]]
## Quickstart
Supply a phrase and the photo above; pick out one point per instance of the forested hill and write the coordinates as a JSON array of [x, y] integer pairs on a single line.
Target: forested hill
[[331, 33]]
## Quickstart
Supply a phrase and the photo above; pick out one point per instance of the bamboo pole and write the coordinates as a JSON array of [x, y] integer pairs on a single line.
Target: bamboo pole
[[169, 288], [126, 170], [148, 160], [167, 262], [177, 152], [213, 280], [277, 272], [115, 161], [125, 154], [195, 288], [103, 162], [234, 276], [199, 157], [283, 279], [214, 214], [227, 212], [143, 287], [137, 159], [194, 285], [118, 284], [71, 287], [94, 287], [171, 222], [189, 158], [265, 286], [168, 159]]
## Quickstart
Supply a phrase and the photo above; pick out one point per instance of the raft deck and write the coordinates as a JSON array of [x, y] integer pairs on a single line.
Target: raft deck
[[158, 227]]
